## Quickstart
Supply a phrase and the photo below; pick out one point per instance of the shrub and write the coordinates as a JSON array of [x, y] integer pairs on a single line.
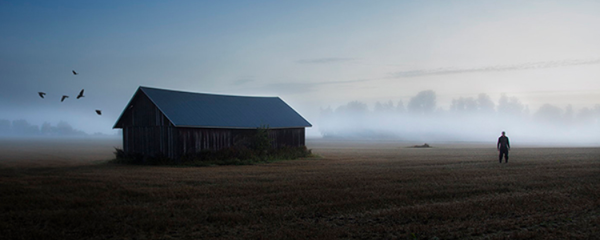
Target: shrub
[[138, 158], [261, 143], [245, 156], [227, 156]]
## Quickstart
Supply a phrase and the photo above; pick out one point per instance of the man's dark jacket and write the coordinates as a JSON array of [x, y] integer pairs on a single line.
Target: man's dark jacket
[[503, 144]]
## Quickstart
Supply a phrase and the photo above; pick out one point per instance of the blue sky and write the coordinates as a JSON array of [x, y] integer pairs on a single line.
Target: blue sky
[[312, 54]]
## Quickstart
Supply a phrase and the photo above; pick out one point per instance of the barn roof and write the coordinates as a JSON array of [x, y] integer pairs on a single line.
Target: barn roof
[[188, 109]]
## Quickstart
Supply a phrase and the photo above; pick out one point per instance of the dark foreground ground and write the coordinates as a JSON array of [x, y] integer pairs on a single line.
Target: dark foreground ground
[[355, 190]]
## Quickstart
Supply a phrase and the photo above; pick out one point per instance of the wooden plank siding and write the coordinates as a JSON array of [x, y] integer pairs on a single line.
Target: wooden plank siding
[[150, 141], [287, 137], [193, 140], [142, 113], [147, 131]]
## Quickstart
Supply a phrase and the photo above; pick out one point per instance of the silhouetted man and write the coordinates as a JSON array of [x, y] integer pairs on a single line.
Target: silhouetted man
[[503, 147]]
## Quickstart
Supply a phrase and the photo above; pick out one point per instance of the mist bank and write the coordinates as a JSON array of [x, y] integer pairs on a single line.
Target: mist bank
[[22, 128], [477, 119]]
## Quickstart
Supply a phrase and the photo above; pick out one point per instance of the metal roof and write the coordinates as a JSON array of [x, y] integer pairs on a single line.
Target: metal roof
[[187, 109]]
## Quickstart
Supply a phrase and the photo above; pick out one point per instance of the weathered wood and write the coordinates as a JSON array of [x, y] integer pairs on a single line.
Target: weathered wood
[[195, 140], [150, 140], [142, 112], [147, 131]]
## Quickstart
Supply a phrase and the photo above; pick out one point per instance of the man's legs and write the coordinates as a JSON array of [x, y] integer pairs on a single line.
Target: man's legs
[[505, 153]]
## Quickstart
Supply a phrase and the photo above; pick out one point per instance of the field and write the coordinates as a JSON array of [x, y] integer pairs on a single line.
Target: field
[[66, 189]]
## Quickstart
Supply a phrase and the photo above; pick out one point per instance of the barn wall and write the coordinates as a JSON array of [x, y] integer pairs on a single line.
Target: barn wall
[[192, 140], [150, 140], [146, 130], [141, 112], [175, 142], [290, 137]]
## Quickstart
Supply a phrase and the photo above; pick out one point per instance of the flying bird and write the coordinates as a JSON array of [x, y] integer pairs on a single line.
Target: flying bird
[[75, 73], [42, 94], [99, 112], [80, 94], [63, 97]]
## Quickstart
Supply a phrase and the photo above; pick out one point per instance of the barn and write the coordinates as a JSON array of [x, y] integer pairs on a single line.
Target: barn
[[175, 123]]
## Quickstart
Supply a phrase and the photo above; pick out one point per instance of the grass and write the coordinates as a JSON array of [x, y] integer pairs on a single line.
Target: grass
[[228, 156], [354, 191]]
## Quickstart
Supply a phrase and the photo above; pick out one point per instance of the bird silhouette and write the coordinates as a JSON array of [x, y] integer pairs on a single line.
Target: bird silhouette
[[80, 94], [75, 73], [42, 94], [99, 112], [63, 97]]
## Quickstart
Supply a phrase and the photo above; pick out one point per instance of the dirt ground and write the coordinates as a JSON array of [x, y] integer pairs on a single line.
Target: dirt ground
[[66, 189]]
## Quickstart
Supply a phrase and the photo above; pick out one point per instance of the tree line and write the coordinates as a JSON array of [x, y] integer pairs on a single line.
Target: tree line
[[22, 127], [470, 117]]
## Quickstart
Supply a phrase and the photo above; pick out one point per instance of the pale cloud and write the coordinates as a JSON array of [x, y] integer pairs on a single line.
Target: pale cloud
[[306, 87], [343, 81], [497, 68], [324, 60], [242, 81]]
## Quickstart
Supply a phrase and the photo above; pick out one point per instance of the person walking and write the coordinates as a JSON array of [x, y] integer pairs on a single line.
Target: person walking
[[503, 147]]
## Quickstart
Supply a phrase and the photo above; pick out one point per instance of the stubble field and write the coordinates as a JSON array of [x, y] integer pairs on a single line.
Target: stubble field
[[66, 189]]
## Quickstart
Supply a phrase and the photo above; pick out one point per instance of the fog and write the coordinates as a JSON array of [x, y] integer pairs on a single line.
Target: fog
[[468, 119], [421, 119], [22, 128]]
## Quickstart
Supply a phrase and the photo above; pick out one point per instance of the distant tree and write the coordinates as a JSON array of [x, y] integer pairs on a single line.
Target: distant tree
[[378, 107], [4, 127], [400, 107], [510, 106], [456, 106], [464, 105], [485, 104], [23, 128], [569, 115], [345, 119], [384, 107], [19, 127], [585, 117], [549, 114], [47, 129], [439, 112], [65, 129], [470, 105], [353, 108], [423, 103]]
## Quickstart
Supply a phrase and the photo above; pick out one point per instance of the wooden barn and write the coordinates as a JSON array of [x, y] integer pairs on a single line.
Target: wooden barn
[[175, 123]]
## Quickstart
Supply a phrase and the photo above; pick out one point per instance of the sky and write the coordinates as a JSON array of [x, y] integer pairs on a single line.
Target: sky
[[312, 54]]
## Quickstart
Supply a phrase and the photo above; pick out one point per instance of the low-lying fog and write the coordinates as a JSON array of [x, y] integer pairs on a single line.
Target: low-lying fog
[[467, 120], [420, 120]]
